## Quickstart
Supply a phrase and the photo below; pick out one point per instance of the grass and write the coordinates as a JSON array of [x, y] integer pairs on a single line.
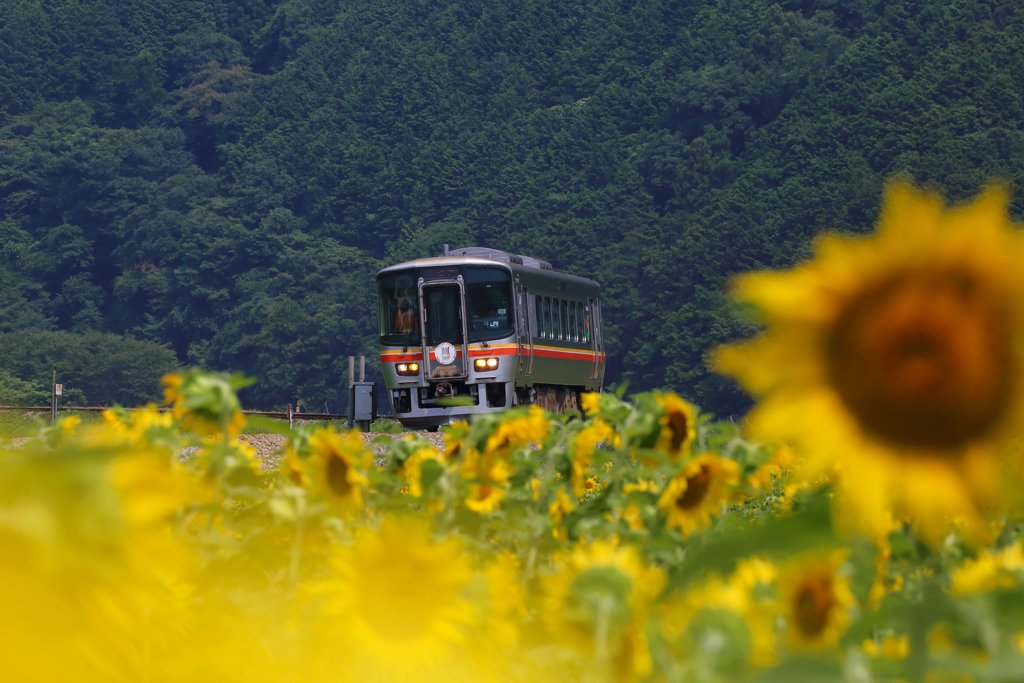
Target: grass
[[386, 425], [17, 423]]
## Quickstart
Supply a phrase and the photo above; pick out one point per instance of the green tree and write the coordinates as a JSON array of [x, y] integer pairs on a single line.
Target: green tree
[[105, 368]]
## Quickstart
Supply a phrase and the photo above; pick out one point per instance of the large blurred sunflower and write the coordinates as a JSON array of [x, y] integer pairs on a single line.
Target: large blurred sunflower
[[398, 601], [723, 623], [698, 491], [597, 600], [896, 358]]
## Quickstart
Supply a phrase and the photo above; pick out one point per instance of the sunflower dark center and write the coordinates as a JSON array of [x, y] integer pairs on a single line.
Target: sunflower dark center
[[679, 423], [925, 359], [812, 605], [337, 476], [696, 489]]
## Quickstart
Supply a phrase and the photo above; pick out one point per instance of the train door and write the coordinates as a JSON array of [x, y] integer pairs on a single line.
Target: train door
[[590, 318], [598, 341], [443, 330], [524, 330]]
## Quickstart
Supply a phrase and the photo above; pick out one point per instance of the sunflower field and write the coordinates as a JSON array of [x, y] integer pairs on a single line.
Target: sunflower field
[[861, 524]]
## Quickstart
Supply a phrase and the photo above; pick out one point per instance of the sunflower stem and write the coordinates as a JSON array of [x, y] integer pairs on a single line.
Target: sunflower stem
[[605, 605], [295, 555], [531, 561]]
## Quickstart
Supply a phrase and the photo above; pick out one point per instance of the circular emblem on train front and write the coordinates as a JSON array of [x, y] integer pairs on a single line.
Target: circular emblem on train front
[[444, 353]]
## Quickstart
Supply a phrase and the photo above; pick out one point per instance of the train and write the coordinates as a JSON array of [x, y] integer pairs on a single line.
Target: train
[[489, 328]]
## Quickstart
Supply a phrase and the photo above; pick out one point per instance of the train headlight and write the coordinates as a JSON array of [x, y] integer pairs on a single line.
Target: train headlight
[[407, 369], [486, 363]]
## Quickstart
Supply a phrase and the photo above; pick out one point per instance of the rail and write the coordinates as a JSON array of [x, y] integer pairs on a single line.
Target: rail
[[289, 415]]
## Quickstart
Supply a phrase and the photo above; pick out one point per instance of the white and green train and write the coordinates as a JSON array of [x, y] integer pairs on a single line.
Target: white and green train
[[493, 328]]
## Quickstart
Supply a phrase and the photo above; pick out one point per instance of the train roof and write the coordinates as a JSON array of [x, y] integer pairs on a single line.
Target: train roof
[[481, 256]]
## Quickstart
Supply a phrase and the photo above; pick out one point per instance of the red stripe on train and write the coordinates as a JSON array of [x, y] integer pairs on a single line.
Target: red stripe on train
[[480, 353], [566, 355], [402, 358]]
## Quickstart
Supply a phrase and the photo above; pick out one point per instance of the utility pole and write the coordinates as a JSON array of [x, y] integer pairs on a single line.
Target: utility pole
[[53, 398]]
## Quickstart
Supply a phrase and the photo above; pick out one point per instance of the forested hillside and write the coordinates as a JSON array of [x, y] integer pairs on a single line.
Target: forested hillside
[[224, 177]]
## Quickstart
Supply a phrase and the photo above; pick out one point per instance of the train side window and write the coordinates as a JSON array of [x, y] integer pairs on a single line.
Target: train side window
[[573, 327], [556, 327], [565, 320], [547, 317], [532, 314], [554, 319], [586, 324], [541, 329]]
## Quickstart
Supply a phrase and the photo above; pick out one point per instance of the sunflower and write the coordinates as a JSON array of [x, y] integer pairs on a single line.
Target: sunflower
[[777, 466], [293, 468], [486, 476], [677, 430], [586, 441], [484, 498], [398, 599], [455, 437], [725, 621], [333, 468], [698, 491], [558, 509], [597, 601], [896, 357], [506, 604], [492, 467], [892, 647], [631, 515], [990, 570], [120, 426], [815, 600], [592, 485], [412, 468], [591, 403], [206, 403], [153, 485], [519, 431]]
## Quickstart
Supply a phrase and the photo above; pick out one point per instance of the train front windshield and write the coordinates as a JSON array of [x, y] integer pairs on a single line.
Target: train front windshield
[[399, 306], [488, 300], [489, 295]]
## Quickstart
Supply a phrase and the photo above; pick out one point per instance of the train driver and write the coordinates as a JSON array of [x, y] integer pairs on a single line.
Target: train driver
[[405, 318]]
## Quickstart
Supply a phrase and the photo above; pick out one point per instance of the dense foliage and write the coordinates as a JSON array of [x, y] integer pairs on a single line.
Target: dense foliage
[[98, 369], [225, 176]]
